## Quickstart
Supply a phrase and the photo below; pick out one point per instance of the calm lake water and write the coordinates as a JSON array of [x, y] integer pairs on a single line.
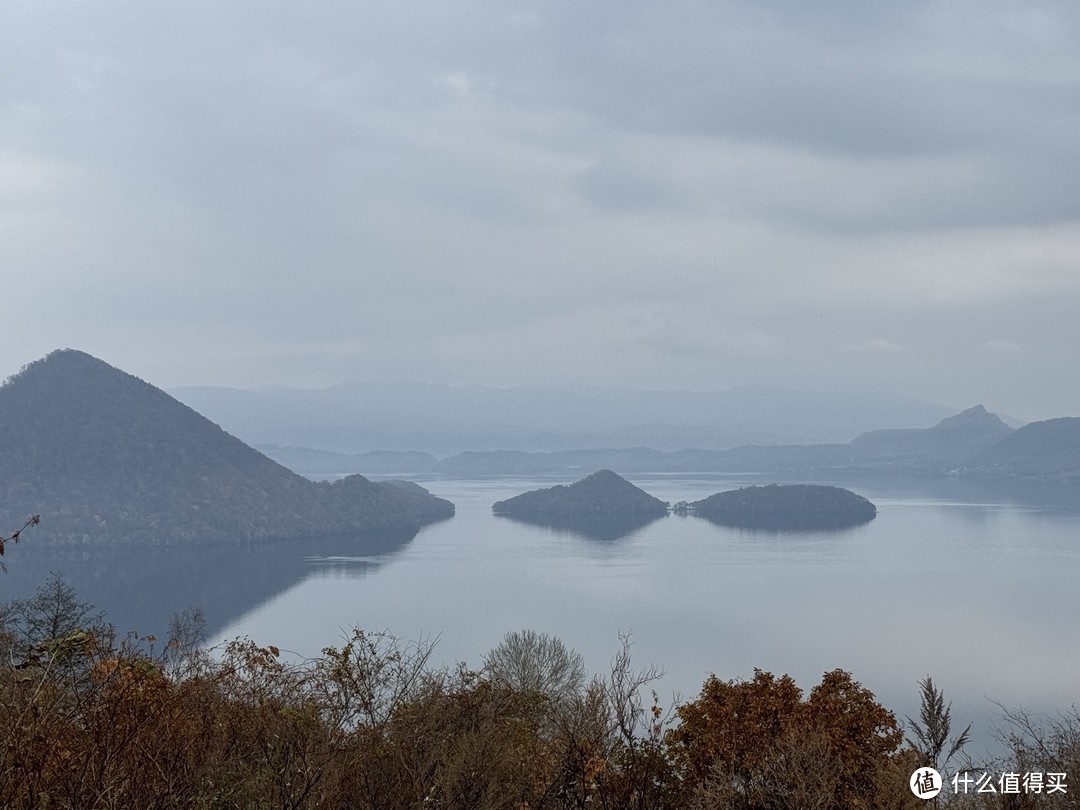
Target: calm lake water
[[974, 584]]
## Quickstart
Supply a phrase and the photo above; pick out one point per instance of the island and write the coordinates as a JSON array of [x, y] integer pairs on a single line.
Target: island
[[602, 493], [786, 507], [602, 507]]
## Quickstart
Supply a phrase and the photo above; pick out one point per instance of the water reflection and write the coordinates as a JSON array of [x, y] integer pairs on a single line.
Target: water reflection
[[1041, 496], [601, 528], [776, 524], [139, 587], [973, 582]]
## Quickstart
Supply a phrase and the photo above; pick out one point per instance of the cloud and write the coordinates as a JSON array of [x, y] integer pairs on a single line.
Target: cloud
[[877, 345], [1006, 347], [698, 191]]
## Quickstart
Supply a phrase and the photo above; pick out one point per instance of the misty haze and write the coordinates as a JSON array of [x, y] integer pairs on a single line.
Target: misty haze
[[539, 405]]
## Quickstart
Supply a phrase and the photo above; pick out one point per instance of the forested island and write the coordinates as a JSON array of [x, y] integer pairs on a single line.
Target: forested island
[[786, 506], [602, 493], [104, 457]]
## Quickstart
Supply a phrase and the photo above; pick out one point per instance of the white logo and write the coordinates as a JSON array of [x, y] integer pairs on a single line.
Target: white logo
[[926, 783]]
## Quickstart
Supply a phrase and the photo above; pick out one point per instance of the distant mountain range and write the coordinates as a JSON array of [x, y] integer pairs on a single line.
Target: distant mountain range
[[422, 429], [444, 420], [105, 457], [973, 443]]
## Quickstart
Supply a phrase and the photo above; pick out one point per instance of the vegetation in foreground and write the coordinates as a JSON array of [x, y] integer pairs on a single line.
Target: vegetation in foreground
[[87, 721]]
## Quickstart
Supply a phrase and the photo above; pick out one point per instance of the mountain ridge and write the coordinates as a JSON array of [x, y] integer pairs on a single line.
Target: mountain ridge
[[1045, 449], [444, 420], [959, 445], [104, 456]]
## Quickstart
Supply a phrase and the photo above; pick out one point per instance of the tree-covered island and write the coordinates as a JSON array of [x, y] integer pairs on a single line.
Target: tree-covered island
[[786, 507]]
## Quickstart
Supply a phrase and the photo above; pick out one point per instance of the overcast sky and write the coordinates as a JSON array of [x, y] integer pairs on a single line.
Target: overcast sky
[[848, 196]]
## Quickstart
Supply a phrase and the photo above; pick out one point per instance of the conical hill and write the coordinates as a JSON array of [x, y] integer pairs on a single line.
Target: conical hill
[[602, 493], [104, 456]]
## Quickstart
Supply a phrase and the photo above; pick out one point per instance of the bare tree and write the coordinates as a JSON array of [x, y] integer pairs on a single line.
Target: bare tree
[[529, 661], [1049, 744], [369, 678], [51, 615], [183, 654]]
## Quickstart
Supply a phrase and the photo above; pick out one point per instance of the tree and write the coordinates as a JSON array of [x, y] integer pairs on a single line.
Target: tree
[[727, 734], [31, 629], [638, 773], [529, 661], [746, 743], [1047, 744], [861, 733]]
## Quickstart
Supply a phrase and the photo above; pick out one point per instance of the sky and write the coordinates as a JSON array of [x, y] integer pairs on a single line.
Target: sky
[[831, 196]]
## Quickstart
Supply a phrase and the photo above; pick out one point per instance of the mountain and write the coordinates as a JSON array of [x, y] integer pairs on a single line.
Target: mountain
[[944, 448], [307, 461], [948, 444], [602, 493], [103, 456], [936, 450], [1048, 449], [510, 462], [447, 419], [786, 507]]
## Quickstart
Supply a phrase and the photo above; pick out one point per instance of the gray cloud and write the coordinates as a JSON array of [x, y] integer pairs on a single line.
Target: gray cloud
[[695, 193]]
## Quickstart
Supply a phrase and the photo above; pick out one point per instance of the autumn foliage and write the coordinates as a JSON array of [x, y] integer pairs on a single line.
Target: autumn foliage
[[758, 743], [87, 721]]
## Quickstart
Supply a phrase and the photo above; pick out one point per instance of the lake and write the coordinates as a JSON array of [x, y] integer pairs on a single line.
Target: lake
[[972, 583]]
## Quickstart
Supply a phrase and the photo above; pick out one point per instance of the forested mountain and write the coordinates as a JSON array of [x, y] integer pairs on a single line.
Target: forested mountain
[[1048, 449], [950, 443], [602, 493], [104, 456]]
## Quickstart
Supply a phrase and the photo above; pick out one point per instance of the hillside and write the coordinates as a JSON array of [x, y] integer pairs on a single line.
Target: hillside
[[791, 506], [1047, 449], [948, 444], [602, 493], [104, 456]]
